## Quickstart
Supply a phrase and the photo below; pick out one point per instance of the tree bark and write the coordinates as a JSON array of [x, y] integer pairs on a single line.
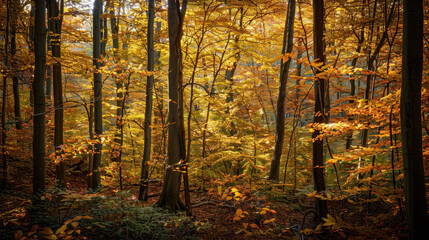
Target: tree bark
[[55, 10], [116, 151], [319, 107], [98, 114], [412, 67], [148, 112], [15, 83], [169, 198], [4, 98], [39, 164], [284, 74]]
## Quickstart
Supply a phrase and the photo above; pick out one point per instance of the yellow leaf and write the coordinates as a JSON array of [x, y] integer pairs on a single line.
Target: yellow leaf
[[47, 231], [68, 221], [74, 224], [245, 225], [102, 226], [253, 225], [307, 231], [61, 229], [51, 237]]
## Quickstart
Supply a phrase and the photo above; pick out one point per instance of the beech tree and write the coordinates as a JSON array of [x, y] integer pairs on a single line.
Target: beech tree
[[3, 111], [98, 114], [319, 107], [411, 120], [148, 110], [39, 164], [169, 198], [55, 15], [284, 74]]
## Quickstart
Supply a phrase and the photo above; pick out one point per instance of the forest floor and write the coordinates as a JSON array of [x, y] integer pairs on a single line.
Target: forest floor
[[232, 212]]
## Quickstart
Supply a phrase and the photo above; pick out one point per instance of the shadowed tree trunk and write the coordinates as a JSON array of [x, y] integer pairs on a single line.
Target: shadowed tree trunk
[[55, 12], [39, 164], [98, 114], [284, 73], [117, 146], [169, 198], [319, 107], [412, 67], [148, 112], [3, 110], [15, 84]]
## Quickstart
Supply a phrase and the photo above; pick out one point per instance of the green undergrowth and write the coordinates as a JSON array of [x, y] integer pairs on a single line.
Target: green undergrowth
[[69, 215]]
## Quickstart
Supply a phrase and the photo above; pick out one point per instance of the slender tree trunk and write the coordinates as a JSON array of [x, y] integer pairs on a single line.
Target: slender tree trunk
[[118, 81], [284, 74], [15, 86], [98, 114], [39, 164], [169, 198], [3, 112], [319, 107], [91, 145], [229, 74], [31, 36], [148, 112], [55, 10], [372, 57], [117, 147], [411, 125], [361, 39]]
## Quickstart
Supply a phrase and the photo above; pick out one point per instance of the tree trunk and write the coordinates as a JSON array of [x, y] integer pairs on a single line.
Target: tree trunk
[[319, 107], [98, 114], [412, 67], [55, 10], [148, 112], [284, 73], [91, 145], [117, 146], [39, 164], [3, 112], [118, 81], [16, 97], [169, 198]]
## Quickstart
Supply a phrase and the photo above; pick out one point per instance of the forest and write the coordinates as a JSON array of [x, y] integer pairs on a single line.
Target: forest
[[214, 119]]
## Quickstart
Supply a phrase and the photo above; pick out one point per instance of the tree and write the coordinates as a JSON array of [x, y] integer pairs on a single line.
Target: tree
[[39, 163], [3, 112], [98, 114], [15, 84], [319, 107], [120, 96], [148, 112], [411, 120], [169, 198], [284, 73], [55, 13]]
